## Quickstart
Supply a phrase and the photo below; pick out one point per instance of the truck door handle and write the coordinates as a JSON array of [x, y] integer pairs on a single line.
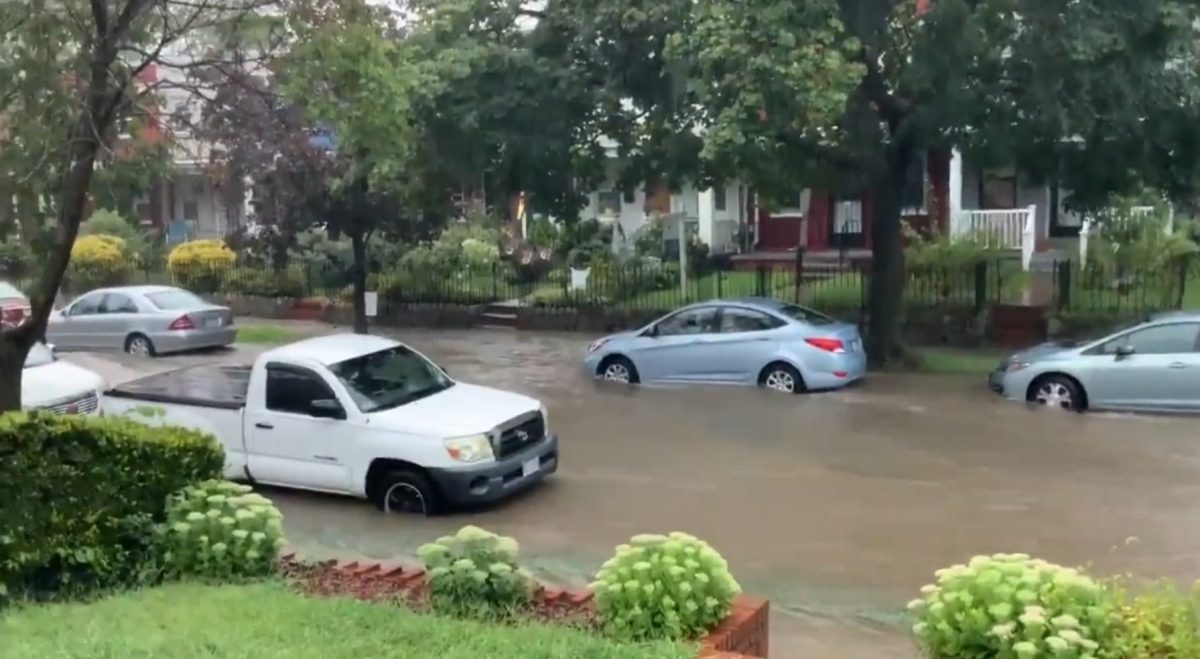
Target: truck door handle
[[264, 426], [325, 458], [1179, 365]]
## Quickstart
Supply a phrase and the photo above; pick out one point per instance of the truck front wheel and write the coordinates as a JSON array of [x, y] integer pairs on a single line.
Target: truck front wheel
[[406, 491]]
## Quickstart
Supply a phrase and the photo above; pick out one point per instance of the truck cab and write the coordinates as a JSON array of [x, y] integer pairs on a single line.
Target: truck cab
[[363, 416]]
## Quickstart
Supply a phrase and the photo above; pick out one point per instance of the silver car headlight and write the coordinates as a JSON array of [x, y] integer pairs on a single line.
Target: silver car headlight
[[472, 448], [1015, 365]]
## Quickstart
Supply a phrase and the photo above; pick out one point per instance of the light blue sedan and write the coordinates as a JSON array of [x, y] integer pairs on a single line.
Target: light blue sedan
[[1152, 366], [764, 342]]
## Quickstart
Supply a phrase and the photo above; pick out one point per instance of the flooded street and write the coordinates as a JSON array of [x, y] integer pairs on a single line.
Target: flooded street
[[836, 506]]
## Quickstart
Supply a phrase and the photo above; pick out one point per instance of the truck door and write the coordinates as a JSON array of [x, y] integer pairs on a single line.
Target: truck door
[[300, 437]]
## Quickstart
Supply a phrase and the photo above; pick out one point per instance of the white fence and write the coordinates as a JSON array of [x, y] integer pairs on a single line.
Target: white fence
[[1014, 228], [1136, 213]]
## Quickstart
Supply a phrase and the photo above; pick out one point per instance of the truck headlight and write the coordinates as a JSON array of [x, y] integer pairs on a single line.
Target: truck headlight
[[472, 448], [545, 418]]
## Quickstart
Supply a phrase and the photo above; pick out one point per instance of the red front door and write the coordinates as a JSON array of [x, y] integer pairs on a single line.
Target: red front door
[[779, 232]]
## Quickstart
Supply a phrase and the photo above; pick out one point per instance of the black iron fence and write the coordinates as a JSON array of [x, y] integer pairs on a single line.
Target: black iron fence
[[841, 289]]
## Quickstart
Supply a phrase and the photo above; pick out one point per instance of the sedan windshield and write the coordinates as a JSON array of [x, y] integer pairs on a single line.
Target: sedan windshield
[[7, 290], [175, 300], [390, 378], [805, 315], [39, 355]]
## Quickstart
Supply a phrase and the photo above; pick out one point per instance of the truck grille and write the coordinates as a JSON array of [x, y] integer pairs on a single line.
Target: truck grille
[[82, 405], [524, 431]]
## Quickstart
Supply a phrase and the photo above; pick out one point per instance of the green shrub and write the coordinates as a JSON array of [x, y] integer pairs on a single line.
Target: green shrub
[[200, 265], [1009, 605], [221, 530], [81, 495], [16, 258], [1159, 623], [285, 283], [474, 574], [664, 587], [99, 260]]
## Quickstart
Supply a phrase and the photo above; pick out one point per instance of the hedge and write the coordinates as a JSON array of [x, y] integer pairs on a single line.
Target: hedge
[[79, 497]]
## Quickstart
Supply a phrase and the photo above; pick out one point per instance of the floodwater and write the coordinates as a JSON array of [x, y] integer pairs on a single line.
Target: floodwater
[[837, 506]]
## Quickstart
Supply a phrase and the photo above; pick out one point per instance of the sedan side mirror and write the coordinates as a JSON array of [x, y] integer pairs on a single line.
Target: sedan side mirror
[[326, 408], [1125, 351]]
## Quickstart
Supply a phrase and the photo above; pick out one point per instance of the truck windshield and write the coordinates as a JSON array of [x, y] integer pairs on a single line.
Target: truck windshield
[[390, 378]]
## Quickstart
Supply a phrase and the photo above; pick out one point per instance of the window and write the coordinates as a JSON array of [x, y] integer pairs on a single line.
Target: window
[[175, 300], [805, 315], [735, 320], [998, 190], [912, 195], [117, 303], [691, 321], [719, 200], [87, 305], [9, 291], [291, 389], [629, 196], [608, 202], [1158, 340], [191, 210], [390, 378]]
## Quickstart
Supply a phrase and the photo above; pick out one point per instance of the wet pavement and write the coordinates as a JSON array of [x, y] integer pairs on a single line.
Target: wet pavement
[[837, 506]]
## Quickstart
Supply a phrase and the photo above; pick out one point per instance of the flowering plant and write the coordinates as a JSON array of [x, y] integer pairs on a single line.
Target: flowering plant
[[474, 573], [674, 586], [1009, 606], [222, 530]]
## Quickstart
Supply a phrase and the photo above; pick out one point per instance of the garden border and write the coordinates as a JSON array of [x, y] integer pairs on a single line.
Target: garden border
[[743, 634]]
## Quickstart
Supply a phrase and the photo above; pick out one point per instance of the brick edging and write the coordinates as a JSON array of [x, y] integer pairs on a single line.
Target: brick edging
[[744, 633]]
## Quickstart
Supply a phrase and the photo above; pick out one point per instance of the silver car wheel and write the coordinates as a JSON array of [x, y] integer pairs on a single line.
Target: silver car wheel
[[780, 381], [139, 346], [1055, 394], [616, 372]]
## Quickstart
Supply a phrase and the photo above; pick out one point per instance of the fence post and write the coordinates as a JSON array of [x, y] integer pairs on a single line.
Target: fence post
[[760, 283], [495, 282], [1064, 284], [981, 269], [1183, 279], [720, 284], [799, 271]]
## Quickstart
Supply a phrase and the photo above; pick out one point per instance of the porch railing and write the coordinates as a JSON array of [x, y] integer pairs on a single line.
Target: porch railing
[[1014, 228]]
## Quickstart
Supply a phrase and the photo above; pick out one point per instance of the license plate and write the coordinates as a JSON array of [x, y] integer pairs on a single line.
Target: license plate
[[214, 322], [531, 466]]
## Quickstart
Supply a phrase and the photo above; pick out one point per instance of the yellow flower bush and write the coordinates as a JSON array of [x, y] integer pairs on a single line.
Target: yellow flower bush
[[200, 265], [99, 260]]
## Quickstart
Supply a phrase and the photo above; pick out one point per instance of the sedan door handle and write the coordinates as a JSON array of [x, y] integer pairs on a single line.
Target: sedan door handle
[[1179, 365], [264, 426], [325, 458]]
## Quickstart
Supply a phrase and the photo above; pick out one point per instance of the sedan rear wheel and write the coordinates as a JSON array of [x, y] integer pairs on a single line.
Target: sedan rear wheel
[[1057, 392], [139, 345], [783, 378]]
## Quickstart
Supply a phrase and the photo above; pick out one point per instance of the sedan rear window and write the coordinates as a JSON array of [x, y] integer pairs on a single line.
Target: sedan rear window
[[805, 315], [175, 300]]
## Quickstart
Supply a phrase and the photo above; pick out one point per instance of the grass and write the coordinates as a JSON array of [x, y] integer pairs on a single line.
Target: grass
[[267, 334], [958, 361], [187, 621]]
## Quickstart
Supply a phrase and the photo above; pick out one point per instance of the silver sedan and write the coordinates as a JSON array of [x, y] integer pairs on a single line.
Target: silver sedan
[[1152, 366], [141, 320]]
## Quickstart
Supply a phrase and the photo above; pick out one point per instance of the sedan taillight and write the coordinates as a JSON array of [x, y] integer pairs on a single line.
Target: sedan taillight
[[828, 345], [183, 322]]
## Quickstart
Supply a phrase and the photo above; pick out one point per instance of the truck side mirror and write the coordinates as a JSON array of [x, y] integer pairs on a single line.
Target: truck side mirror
[[326, 408]]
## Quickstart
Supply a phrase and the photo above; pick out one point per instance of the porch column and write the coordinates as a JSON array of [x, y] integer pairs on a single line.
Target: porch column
[[705, 204], [955, 192]]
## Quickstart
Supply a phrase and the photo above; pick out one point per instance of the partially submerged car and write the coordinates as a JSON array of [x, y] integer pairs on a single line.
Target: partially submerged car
[[1151, 366]]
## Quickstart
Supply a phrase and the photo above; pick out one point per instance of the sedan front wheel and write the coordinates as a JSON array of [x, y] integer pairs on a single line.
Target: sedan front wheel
[[1058, 392]]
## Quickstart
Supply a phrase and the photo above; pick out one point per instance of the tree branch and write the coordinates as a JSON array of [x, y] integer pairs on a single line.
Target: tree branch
[[892, 107], [830, 155]]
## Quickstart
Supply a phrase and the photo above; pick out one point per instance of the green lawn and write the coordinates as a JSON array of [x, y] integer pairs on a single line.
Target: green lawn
[[267, 621], [956, 361], [268, 334]]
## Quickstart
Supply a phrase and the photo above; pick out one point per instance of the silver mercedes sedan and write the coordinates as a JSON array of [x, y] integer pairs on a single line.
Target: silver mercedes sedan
[[141, 320]]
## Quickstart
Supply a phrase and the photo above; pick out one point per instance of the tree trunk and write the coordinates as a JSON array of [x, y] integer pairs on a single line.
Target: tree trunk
[[358, 274], [12, 364], [886, 301]]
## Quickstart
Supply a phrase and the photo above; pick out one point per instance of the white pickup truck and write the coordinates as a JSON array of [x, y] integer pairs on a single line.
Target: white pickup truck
[[358, 415]]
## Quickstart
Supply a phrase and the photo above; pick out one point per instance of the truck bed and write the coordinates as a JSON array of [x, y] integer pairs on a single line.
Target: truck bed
[[217, 386]]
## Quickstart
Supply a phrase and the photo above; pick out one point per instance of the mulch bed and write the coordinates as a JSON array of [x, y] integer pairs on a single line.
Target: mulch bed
[[396, 583]]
